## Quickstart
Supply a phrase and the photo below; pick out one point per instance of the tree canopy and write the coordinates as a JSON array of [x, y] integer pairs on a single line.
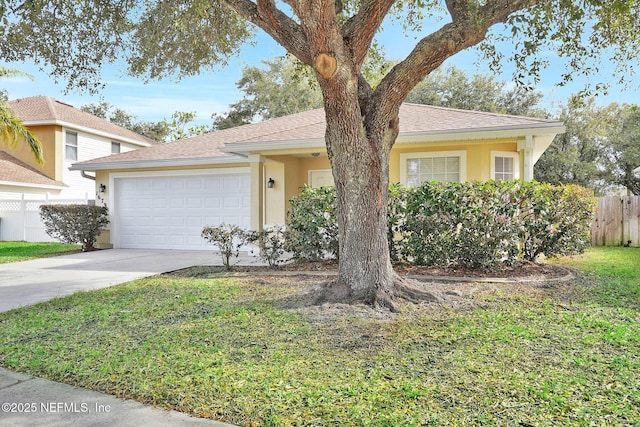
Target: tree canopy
[[600, 148], [452, 87], [162, 131], [278, 89]]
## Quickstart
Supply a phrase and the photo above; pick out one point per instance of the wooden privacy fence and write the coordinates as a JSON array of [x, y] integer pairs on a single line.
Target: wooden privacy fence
[[617, 222]]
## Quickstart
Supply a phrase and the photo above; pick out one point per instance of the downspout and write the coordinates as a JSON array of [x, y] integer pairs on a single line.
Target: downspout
[[85, 175]]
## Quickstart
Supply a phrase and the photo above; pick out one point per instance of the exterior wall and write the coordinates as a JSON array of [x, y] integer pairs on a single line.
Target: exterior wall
[[290, 173], [50, 137], [89, 147], [478, 156]]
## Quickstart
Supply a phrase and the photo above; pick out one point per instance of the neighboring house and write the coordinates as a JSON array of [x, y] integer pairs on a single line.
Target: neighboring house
[[67, 135], [162, 196]]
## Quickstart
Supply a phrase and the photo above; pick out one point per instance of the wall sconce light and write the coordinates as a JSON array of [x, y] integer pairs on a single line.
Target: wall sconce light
[[270, 183], [102, 188]]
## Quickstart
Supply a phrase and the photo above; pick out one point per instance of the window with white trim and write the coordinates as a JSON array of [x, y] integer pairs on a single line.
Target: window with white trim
[[449, 166], [71, 145], [115, 147], [505, 165]]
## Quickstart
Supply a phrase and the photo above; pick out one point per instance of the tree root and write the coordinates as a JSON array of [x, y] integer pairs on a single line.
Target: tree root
[[391, 298]]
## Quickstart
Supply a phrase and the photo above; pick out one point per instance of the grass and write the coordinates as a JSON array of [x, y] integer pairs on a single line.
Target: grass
[[23, 251], [566, 354]]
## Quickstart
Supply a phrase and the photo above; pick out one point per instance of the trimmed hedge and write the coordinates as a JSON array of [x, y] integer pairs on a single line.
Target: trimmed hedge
[[75, 223], [474, 224]]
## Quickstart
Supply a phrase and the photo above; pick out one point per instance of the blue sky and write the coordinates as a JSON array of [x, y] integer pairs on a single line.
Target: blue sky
[[213, 91]]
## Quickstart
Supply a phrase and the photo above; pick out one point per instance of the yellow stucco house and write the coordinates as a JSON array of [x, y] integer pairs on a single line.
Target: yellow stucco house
[[162, 196]]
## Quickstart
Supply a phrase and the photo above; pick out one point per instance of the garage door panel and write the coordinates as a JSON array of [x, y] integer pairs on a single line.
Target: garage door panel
[[169, 212]]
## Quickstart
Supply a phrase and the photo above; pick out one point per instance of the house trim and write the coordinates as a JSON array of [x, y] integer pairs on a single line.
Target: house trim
[[498, 132], [73, 126], [33, 185], [139, 164]]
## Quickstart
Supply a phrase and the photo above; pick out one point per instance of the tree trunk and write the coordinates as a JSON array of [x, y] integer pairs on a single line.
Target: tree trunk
[[360, 163]]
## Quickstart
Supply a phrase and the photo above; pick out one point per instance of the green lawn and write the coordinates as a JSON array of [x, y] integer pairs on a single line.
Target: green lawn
[[23, 251], [565, 354]]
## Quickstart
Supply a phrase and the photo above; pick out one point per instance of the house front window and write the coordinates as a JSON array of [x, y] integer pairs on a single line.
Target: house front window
[[71, 145], [115, 147], [416, 168], [505, 166]]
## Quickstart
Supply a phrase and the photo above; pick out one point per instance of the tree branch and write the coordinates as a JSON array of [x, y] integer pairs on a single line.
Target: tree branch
[[458, 9], [283, 29], [361, 28], [429, 53]]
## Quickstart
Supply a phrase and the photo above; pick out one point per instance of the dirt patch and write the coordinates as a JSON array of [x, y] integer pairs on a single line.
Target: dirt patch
[[454, 287]]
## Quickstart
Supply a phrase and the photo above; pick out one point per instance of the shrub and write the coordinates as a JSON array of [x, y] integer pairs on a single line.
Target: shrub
[[228, 239], [474, 224], [75, 223], [271, 243], [554, 220], [312, 232], [470, 224], [396, 208]]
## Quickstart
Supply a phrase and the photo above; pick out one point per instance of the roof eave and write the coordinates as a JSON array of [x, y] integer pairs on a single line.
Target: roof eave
[[33, 185], [94, 131], [552, 128], [159, 163], [533, 129]]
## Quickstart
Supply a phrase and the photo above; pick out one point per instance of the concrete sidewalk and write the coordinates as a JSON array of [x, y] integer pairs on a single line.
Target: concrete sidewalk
[[29, 401], [26, 401]]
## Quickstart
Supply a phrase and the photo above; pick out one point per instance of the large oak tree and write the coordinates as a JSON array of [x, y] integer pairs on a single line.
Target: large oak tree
[[160, 38]]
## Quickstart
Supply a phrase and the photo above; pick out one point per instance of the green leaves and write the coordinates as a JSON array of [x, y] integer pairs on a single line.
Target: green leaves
[[474, 224], [228, 239], [312, 232], [75, 223]]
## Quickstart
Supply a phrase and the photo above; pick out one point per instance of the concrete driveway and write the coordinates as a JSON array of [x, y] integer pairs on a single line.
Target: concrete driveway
[[29, 282]]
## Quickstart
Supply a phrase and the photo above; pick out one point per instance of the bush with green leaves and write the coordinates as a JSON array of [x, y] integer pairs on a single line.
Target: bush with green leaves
[[75, 223], [271, 242], [312, 227], [471, 224], [554, 220], [228, 239]]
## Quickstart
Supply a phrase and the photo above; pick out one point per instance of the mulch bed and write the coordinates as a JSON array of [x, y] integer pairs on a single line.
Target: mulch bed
[[521, 271]]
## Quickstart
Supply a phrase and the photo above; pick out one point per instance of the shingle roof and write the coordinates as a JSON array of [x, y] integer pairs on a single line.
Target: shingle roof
[[192, 148], [414, 118], [14, 170], [43, 110], [311, 125]]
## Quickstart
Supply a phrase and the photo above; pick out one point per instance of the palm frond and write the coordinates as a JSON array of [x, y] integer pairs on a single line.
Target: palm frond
[[12, 130]]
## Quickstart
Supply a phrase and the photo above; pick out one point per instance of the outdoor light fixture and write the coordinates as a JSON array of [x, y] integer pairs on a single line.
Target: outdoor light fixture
[[270, 183], [103, 188]]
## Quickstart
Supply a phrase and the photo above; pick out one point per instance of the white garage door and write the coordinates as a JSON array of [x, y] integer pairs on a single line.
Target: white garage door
[[169, 212]]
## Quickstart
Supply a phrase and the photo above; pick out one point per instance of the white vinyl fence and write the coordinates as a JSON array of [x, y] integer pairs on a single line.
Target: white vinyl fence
[[20, 219]]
